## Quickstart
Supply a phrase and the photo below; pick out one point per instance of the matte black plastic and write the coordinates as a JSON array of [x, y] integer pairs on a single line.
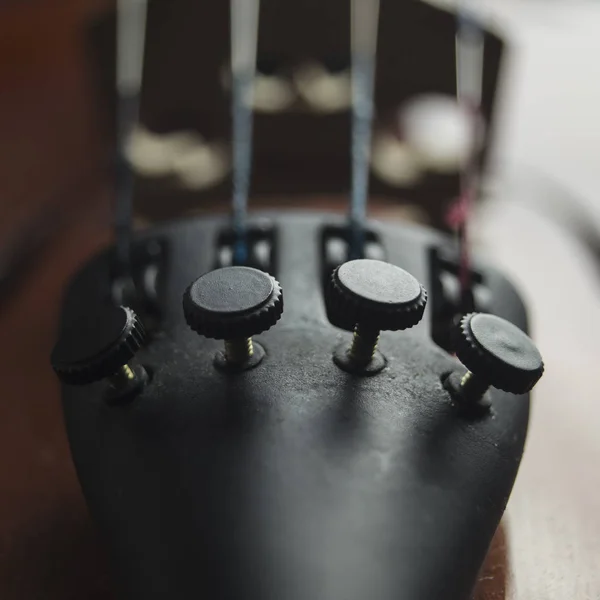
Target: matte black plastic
[[233, 303], [375, 294], [95, 344], [295, 480], [499, 353]]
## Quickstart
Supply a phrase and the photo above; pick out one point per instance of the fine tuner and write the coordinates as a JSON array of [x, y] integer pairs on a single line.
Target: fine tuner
[[294, 405]]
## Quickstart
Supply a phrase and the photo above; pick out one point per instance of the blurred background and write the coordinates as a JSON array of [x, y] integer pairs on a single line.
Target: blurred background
[[538, 218]]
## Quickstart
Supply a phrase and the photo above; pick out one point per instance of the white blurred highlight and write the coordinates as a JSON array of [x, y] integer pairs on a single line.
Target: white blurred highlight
[[272, 93], [394, 161], [321, 90], [439, 131], [195, 163]]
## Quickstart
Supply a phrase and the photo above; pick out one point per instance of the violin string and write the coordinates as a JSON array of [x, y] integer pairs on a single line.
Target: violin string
[[364, 30], [244, 39], [131, 33], [470, 47]]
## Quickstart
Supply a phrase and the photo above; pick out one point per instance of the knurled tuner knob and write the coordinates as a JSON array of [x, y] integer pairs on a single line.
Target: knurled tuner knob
[[233, 304], [99, 345], [375, 296], [496, 353]]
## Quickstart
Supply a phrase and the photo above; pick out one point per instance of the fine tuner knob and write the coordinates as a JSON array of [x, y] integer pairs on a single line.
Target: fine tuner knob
[[496, 353], [233, 304], [375, 296], [100, 345]]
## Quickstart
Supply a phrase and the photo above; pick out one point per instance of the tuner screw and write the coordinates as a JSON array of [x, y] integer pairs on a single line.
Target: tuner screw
[[233, 304], [375, 296], [497, 354], [99, 345]]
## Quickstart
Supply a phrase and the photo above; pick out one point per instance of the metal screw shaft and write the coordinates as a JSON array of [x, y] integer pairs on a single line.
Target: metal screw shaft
[[364, 345], [123, 376], [472, 387], [238, 351]]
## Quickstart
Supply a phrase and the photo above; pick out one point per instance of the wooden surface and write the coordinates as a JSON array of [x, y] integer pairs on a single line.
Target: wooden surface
[[48, 138], [48, 546]]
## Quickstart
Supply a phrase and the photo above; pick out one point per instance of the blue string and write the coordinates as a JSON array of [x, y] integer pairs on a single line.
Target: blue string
[[242, 116], [363, 74]]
